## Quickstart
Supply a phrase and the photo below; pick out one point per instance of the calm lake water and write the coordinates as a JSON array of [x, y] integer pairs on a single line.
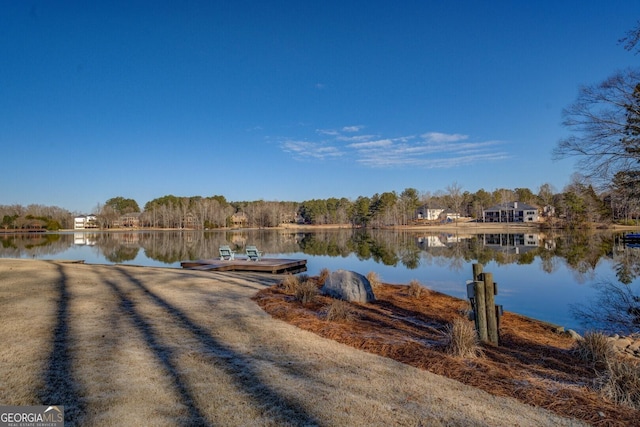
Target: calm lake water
[[545, 276]]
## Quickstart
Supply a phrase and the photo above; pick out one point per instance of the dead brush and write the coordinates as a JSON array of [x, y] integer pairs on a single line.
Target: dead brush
[[595, 348], [620, 382], [290, 283], [462, 340], [415, 289], [339, 311], [374, 279], [306, 291], [324, 274]]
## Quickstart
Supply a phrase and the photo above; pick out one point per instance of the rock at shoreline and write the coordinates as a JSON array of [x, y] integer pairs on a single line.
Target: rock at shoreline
[[629, 345], [348, 286]]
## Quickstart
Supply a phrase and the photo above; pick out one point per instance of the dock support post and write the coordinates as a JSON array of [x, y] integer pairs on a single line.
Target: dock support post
[[481, 291], [477, 271], [492, 322], [481, 311]]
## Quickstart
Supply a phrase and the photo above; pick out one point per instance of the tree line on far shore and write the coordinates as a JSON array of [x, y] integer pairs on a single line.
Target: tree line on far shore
[[604, 122], [578, 205]]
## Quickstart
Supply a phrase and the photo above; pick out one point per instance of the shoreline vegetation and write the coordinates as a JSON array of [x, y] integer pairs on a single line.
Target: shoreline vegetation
[[536, 362], [578, 206], [467, 226]]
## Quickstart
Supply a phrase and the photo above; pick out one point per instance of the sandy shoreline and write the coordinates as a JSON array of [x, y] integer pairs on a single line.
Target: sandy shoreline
[[155, 346]]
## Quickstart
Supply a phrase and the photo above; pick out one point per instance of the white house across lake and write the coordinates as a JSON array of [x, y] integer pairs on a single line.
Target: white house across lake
[[83, 222]]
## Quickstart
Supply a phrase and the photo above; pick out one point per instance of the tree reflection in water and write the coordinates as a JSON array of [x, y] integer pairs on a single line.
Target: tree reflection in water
[[581, 252], [398, 252], [615, 310]]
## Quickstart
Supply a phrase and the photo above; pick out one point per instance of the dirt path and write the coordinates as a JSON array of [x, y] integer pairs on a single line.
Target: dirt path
[[150, 346]]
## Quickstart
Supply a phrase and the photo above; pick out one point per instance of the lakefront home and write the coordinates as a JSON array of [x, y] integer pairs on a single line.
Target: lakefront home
[[511, 212], [429, 213], [83, 222]]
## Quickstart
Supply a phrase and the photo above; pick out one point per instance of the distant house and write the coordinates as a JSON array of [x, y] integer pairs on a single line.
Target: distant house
[[130, 220], [239, 219], [83, 222], [436, 214], [429, 213], [511, 212], [450, 215]]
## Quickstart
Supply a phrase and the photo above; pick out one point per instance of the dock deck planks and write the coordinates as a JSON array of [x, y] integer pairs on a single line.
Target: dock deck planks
[[263, 265]]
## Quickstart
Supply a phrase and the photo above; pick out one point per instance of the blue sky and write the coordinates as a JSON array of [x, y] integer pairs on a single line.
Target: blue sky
[[292, 100]]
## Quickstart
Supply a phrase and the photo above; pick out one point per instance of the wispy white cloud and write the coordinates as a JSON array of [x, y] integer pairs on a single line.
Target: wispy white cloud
[[429, 150], [443, 137], [307, 150], [400, 159], [371, 144], [330, 132], [356, 138]]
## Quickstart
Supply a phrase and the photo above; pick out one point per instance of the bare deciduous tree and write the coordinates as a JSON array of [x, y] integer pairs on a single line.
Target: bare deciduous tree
[[603, 120], [632, 39], [615, 310], [454, 196]]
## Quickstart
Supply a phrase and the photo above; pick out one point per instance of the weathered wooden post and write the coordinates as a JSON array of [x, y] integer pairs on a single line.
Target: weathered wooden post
[[471, 292], [490, 292], [476, 294], [481, 310], [481, 291], [477, 271]]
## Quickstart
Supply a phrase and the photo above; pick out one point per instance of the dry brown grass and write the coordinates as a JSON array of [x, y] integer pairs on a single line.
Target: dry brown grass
[[339, 311], [415, 288], [306, 291], [374, 279], [620, 382], [595, 348], [290, 283], [618, 377], [533, 364], [462, 339], [324, 274]]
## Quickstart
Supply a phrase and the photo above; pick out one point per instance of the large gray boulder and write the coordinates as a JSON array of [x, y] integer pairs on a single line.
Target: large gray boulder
[[348, 286]]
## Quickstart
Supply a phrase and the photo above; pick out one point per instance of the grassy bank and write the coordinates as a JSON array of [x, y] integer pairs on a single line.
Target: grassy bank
[[122, 345]]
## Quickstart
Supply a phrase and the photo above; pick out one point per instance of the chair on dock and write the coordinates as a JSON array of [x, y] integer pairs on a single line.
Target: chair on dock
[[226, 252], [253, 253]]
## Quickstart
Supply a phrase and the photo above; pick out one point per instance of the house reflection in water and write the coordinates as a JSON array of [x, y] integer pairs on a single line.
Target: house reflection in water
[[84, 239], [516, 243], [439, 241]]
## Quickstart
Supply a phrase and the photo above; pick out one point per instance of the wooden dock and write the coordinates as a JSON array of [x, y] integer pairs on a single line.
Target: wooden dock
[[263, 265]]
